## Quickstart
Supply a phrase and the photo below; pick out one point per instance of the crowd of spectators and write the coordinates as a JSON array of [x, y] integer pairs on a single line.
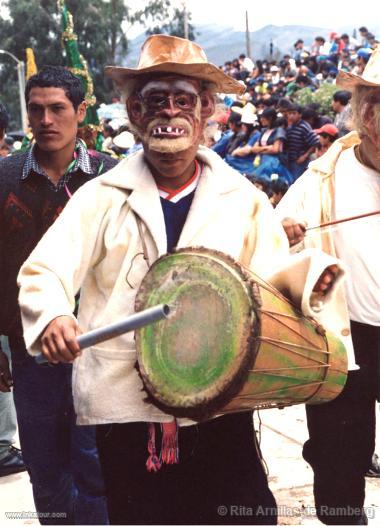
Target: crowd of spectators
[[267, 134]]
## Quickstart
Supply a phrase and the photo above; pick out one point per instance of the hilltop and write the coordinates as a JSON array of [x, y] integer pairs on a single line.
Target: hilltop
[[223, 43]]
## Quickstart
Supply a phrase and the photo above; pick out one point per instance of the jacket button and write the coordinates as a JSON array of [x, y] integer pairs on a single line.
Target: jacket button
[[346, 332]]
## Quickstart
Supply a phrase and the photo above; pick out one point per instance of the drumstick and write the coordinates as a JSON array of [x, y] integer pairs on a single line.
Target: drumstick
[[133, 322], [336, 222]]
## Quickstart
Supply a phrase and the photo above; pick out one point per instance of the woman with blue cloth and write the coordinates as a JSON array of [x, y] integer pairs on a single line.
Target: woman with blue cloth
[[268, 149]]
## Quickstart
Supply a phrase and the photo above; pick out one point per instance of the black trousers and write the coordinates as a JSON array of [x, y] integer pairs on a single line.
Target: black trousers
[[342, 435], [219, 479]]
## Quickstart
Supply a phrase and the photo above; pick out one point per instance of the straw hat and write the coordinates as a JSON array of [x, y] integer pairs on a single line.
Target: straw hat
[[370, 76], [247, 108], [167, 54]]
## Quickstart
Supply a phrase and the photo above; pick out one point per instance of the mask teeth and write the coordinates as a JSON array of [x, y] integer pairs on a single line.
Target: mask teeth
[[167, 129]]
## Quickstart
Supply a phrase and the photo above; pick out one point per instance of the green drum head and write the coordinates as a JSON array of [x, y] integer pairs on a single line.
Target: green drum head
[[190, 362]]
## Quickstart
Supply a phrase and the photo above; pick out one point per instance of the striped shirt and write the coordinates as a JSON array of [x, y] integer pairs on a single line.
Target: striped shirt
[[299, 138]]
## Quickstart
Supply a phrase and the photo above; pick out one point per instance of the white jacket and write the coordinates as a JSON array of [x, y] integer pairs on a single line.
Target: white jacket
[[311, 199], [95, 243]]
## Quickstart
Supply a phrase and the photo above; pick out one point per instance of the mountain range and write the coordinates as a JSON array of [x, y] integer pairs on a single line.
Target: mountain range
[[222, 43]]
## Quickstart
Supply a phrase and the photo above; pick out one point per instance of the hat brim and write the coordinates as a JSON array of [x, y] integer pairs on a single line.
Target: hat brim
[[207, 72], [350, 81]]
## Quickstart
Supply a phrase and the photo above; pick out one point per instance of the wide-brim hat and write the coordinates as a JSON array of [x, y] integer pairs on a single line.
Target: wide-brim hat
[[370, 76], [167, 54]]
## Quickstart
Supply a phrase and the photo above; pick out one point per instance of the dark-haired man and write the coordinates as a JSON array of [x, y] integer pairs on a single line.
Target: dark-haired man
[[61, 457], [301, 141], [10, 457]]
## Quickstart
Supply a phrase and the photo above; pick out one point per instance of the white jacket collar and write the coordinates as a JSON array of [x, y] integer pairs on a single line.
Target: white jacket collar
[[133, 175], [326, 163]]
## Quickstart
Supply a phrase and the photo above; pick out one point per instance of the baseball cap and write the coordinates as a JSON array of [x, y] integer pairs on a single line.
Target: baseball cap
[[329, 128]]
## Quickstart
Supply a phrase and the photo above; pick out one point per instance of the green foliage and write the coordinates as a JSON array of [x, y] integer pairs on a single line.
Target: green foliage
[[323, 96], [175, 25], [153, 16], [32, 24], [101, 39], [303, 96]]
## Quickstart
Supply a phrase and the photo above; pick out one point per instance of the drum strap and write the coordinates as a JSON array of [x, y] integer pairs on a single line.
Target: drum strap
[[143, 242]]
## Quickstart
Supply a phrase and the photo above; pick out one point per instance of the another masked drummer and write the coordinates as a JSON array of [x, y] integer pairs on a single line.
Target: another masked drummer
[[174, 193]]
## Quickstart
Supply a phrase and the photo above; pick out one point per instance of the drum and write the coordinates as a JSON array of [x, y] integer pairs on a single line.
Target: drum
[[232, 343]]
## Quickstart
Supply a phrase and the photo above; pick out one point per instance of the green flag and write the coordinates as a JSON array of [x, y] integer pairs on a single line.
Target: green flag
[[79, 67]]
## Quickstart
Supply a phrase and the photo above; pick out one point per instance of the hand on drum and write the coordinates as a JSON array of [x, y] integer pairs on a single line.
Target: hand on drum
[[294, 230], [59, 340], [326, 280]]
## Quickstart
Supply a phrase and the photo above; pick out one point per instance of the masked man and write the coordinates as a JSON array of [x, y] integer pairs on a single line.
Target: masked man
[[174, 193]]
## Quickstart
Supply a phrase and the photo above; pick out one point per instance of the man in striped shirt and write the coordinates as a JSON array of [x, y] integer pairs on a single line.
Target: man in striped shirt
[[301, 141]]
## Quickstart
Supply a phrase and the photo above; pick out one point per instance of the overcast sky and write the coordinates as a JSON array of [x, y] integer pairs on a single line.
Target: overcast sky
[[328, 14], [322, 13]]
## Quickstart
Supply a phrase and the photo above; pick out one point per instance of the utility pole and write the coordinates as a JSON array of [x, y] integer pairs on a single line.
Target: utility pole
[[185, 20], [247, 38], [21, 86]]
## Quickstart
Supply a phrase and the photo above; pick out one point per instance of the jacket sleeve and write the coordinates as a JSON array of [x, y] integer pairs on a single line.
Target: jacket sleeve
[[52, 275], [297, 276], [294, 275], [294, 204]]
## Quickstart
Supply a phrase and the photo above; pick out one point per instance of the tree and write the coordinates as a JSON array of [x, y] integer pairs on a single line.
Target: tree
[[99, 27], [31, 24], [177, 25], [174, 24]]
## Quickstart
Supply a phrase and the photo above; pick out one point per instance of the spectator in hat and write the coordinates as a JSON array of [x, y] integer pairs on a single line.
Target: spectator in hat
[[362, 57], [328, 133], [241, 157]]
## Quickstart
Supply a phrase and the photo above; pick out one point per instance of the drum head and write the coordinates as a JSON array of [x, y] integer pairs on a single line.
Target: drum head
[[192, 362]]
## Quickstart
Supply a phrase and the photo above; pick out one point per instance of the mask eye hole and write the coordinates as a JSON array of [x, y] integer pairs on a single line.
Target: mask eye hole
[[185, 101], [156, 100]]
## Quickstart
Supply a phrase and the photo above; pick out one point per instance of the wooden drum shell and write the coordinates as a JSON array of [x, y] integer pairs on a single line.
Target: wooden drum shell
[[234, 342]]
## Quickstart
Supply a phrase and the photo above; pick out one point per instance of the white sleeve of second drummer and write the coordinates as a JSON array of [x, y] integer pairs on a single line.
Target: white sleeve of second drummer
[[297, 276], [297, 200], [266, 244], [53, 273]]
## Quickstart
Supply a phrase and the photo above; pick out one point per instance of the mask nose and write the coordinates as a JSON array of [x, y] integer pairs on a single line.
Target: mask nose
[[170, 109]]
